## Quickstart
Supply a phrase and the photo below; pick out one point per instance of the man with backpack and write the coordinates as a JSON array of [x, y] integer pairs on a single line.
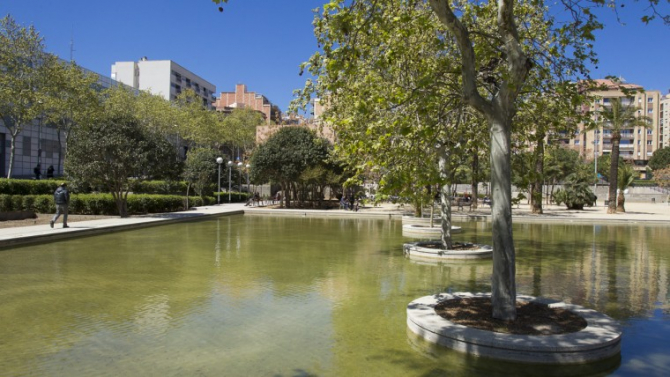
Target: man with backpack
[[62, 199]]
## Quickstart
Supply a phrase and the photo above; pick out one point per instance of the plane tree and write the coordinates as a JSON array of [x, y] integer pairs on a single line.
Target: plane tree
[[491, 60], [24, 79], [118, 145], [498, 45], [285, 156], [73, 98]]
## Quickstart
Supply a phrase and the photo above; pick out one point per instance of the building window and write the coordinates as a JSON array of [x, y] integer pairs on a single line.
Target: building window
[[649, 132], [576, 141], [648, 142], [27, 146], [650, 99]]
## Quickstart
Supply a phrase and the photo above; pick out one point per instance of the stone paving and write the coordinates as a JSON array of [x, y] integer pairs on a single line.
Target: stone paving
[[636, 213]]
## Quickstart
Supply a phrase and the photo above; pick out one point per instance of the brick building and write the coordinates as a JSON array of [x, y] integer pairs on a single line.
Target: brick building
[[241, 98]]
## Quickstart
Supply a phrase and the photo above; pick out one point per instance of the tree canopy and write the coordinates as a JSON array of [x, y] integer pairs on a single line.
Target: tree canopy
[[286, 155], [660, 159], [500, 51], [24, 79], [115, 148]]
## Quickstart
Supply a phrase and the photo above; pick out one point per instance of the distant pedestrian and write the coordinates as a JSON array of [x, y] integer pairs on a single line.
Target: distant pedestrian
[[50, 172], [62, 199], [37, 171]]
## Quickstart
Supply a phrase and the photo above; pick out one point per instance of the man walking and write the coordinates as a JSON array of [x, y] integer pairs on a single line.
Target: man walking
[[62, 199]]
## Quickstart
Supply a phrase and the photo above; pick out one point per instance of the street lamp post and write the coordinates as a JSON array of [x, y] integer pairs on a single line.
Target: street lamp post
[[230, 167], [239, 170], [219, 161]]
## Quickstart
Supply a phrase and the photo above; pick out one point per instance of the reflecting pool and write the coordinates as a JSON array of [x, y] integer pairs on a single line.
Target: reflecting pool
[[282, 296]]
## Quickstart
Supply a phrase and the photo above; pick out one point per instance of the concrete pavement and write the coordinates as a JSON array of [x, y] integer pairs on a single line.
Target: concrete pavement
[[44, 233], [636, 213]]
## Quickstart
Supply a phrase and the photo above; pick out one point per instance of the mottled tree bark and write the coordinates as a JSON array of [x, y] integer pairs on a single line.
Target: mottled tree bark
[[504, 267], [445, 198], [474, 183]]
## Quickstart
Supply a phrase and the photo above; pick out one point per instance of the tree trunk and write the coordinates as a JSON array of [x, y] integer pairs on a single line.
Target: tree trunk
[[418, 210], [12, 154], [475, 183], [504, 268], [445, 201], [620, 202], [614, 170], [121, 203], [536, 188]]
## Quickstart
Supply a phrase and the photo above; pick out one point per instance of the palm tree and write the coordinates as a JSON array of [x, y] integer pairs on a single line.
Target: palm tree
[[625, 178], [618, 117]]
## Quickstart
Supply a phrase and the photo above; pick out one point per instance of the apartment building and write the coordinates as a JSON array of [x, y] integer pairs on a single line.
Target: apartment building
[[241, 98], [164, 78], [637, 143], [664, 122]]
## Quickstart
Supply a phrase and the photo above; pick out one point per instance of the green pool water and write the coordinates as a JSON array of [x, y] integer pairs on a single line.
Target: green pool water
[[281, 296]]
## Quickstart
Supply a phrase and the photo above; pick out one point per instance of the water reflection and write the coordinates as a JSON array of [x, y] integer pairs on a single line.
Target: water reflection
[[251, 295]]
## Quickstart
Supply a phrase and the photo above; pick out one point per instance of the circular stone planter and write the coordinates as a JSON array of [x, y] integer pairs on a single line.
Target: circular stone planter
[[406, 220], [425, 231], [600, 339], [429, 250]]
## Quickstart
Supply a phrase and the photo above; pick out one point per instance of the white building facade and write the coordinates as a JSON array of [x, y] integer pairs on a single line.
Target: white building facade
[[164, 78]]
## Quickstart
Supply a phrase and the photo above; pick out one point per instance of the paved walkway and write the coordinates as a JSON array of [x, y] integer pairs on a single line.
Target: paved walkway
[[44, 233], [637, 213]]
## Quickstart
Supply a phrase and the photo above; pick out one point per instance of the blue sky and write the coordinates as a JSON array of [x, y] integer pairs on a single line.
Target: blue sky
[[261, 43]]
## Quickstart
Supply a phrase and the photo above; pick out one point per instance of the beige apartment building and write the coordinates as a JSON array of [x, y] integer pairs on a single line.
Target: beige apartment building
[[637, 143], [664, 122]]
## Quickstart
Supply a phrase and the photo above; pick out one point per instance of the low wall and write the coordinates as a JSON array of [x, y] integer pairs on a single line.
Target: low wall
[[17, 215]]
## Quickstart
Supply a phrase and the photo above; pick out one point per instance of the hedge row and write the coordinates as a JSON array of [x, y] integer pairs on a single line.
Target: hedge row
[[48, 186], [28, 186], [235, 197], [644, 183], [101, 204], [104, 204], [160, 187]]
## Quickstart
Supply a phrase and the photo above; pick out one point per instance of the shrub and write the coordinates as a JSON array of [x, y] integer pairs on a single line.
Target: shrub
[[102, 204], [158, 187], [235, 197], [28, 186]]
